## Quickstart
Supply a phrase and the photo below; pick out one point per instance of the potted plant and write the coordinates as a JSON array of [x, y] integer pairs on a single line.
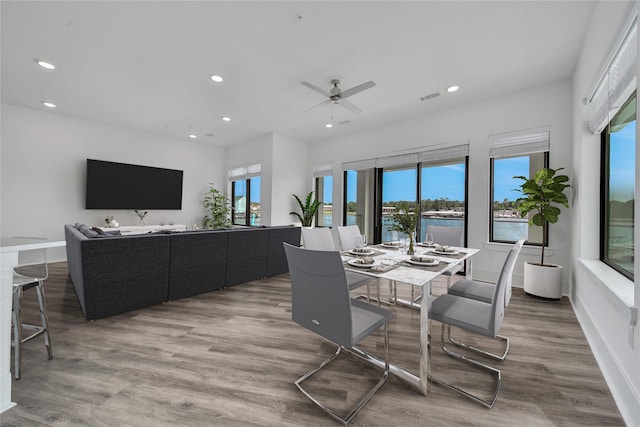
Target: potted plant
[[218, 206], [543, 195], [404, 222], [308, 209]]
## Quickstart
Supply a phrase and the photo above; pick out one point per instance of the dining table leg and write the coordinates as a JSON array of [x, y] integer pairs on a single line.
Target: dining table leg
[[424, 340]]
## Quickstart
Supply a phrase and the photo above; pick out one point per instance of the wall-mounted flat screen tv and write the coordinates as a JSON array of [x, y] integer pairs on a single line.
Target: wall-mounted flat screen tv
[[113, 185]]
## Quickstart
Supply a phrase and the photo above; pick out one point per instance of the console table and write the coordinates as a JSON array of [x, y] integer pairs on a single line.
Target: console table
[[143, 229], [9, 248]]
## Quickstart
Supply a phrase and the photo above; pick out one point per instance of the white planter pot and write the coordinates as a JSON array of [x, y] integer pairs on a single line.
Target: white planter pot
[[543, 281]]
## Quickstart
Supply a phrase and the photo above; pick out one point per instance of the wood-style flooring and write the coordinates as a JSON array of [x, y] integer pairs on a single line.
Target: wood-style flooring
[[230, 358]]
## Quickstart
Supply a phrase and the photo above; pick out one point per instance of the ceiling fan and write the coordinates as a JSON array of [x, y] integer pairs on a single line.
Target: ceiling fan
[[337, 96]]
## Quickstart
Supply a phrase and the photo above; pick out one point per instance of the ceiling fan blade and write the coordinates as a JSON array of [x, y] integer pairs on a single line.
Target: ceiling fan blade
[[349, 106], [316, 88], [318, 105], [356, 89]]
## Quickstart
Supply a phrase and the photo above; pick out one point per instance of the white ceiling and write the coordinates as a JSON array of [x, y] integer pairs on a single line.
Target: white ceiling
[[145, 65]]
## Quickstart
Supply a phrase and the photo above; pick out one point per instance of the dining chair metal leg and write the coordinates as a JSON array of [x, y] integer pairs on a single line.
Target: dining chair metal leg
[[496, 372], [345, 420], [499, 357], [44, 319]]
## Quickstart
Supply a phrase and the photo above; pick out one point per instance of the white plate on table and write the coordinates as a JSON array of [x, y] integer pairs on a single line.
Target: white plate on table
[[355, 263], [445, 253], [364, 253], [426, 245], [424, 264], [387, 245]]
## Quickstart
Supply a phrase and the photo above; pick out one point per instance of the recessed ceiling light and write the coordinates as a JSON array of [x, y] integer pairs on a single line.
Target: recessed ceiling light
[[192, 136], [44, 64], [226, 118], [328, 125], [453, 88], [216, 78], [48, 104]]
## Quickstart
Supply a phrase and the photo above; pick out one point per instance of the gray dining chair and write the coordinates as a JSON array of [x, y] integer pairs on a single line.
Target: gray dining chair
[[321, 303], [448, 236], [320, 239], [483, 291], [348, 234], [477, 317], [30, 273]]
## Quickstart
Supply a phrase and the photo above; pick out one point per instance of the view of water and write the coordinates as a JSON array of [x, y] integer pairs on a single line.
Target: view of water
[[503, 230]]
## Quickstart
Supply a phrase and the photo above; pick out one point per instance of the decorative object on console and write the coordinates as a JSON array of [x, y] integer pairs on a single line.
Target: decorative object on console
[[141, 216], [308, 209], [218, 206], [543, 195], [405, 222]]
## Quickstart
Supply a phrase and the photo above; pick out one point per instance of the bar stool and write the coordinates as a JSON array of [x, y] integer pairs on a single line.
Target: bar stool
[[30, 273]]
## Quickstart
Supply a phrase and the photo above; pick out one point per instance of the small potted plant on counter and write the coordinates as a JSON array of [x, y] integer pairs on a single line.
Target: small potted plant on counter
[[542, 196]]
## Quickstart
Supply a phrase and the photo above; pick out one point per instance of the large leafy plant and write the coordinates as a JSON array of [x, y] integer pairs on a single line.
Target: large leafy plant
[[218, 208], [308, 209], [543, 195]]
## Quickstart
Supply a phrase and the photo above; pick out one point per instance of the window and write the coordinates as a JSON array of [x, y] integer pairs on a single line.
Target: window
[[323, 176], [432, 184], [618, 189], [512, 154], [245, 195]]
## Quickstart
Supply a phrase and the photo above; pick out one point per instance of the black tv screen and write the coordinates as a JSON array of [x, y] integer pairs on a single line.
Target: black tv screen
[[113, 185]]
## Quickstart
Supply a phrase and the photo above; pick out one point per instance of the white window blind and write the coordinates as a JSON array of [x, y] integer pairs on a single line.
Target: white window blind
[[322, 169], [359, 165], [617, 80], [521, 142], [440, 154], [437, 154], [244, 172]]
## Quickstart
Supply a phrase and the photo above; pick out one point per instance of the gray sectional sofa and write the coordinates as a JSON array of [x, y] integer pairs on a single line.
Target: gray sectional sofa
[[116, 274]]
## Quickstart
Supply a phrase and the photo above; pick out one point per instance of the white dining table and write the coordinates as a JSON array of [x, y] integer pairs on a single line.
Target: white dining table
[[403, 272], [9, 249]]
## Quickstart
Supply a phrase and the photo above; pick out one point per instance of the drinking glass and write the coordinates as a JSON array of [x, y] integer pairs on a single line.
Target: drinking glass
[[394, 236], [363, 239], [357, 242], [429, 239]]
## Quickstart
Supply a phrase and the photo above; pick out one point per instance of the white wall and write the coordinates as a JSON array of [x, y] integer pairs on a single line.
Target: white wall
[[545, 105], [44, 166], [602, 310], [285, 171]]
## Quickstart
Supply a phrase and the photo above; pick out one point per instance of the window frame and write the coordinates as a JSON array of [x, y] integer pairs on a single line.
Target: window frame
[[545, 227], [247, 219], [605, 169]]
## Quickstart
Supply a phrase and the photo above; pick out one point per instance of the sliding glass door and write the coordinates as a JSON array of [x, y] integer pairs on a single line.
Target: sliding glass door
[[399, 191]]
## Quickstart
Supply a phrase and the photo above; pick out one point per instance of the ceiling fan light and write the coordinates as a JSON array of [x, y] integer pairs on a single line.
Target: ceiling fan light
[[328, 125]]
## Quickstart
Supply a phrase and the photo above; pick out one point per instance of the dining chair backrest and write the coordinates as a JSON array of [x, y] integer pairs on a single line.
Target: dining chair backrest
[[499, 300], [509, 272], [348, 235], [319, 293], [447, 236], [318, 238]]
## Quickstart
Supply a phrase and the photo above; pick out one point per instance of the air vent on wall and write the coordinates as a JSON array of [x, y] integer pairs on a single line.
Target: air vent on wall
[[344, 122], [430, 96]]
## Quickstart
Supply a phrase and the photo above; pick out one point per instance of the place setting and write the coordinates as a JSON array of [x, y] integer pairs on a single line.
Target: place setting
[[425, 262], [370, 264]]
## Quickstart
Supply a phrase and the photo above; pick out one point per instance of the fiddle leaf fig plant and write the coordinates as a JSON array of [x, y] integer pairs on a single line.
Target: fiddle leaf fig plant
[[543, 195], [218, 208], [308, 209]]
